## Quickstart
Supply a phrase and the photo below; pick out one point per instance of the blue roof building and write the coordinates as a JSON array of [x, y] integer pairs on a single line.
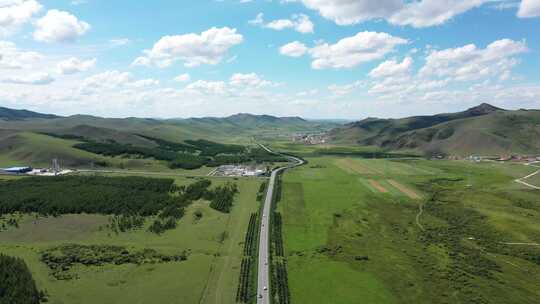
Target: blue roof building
[[18, 170]]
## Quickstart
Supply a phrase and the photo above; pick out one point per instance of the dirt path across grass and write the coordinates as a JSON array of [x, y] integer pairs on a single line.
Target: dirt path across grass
[[408, 192], [377, 186], [523, 182]]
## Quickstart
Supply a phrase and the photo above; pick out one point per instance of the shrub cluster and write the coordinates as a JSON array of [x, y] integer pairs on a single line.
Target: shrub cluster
[[62, 258], [123, 223], [170, 214]]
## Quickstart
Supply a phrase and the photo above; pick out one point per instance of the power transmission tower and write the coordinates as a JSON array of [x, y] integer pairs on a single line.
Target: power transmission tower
[[55, 166]]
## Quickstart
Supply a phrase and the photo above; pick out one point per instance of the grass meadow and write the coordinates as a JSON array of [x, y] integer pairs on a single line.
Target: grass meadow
[[210, 274], [348, 241]]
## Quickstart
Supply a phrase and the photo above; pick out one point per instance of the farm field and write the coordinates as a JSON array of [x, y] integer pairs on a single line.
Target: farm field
[[345, 238], [213, 241]]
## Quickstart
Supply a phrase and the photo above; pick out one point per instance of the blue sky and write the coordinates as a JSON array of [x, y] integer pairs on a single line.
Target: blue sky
[[312, 58]]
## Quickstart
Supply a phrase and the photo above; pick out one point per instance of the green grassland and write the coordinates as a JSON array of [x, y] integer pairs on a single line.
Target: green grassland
[[346, 242], [209, 275]]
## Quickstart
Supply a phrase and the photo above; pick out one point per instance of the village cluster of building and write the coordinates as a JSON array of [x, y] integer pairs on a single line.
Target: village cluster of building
[[310, 139], [240, 170], [503, 158]]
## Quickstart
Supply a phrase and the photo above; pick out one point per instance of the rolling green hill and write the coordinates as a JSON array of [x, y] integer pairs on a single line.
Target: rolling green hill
[[29, 138], [484, 129]]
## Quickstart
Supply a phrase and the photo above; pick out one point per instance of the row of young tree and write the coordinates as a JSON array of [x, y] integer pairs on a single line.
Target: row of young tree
[[62, 258], [222, 197], [247, 271], [16, 283], [278, 265]]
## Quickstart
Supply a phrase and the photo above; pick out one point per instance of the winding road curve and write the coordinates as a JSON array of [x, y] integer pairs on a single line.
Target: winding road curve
[[263, 281]]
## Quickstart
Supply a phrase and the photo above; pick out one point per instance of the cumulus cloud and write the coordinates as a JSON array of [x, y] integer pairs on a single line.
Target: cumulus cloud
[[342, 90], [352, 51], [32, 79], [106, 80], [207, 87], [75, 65], [13, 58], [209, 47], [16, 13], [183, 78], [470, 62], [143, 83], [59, 26], [293, 49], [251, 80], [299, 22], [529, 9], [391, 68], [422, 13]]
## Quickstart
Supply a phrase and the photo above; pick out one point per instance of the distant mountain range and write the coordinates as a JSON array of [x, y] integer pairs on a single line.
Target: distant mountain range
[[484, 129], [224, 129], [11, 114], [35, 137]]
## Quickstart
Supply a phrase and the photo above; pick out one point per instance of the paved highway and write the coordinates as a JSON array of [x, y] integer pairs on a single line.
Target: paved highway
[[263, 283]]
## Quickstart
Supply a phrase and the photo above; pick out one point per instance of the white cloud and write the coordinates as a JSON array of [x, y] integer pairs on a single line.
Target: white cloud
[[293, 49], [529, 9], [352, 51], [251, 80], [392, 68], [308, 93], [183, 78], [32, 79], [16, 13], [342, 90], [75, 65], [105, 80], [13, 58], [347, 12], [421, 13], [143, 83], [259, 19], [427, 13], [462, 65], [59, 26], [299, 22], [209, 47], [470, 63], [207, 87]]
